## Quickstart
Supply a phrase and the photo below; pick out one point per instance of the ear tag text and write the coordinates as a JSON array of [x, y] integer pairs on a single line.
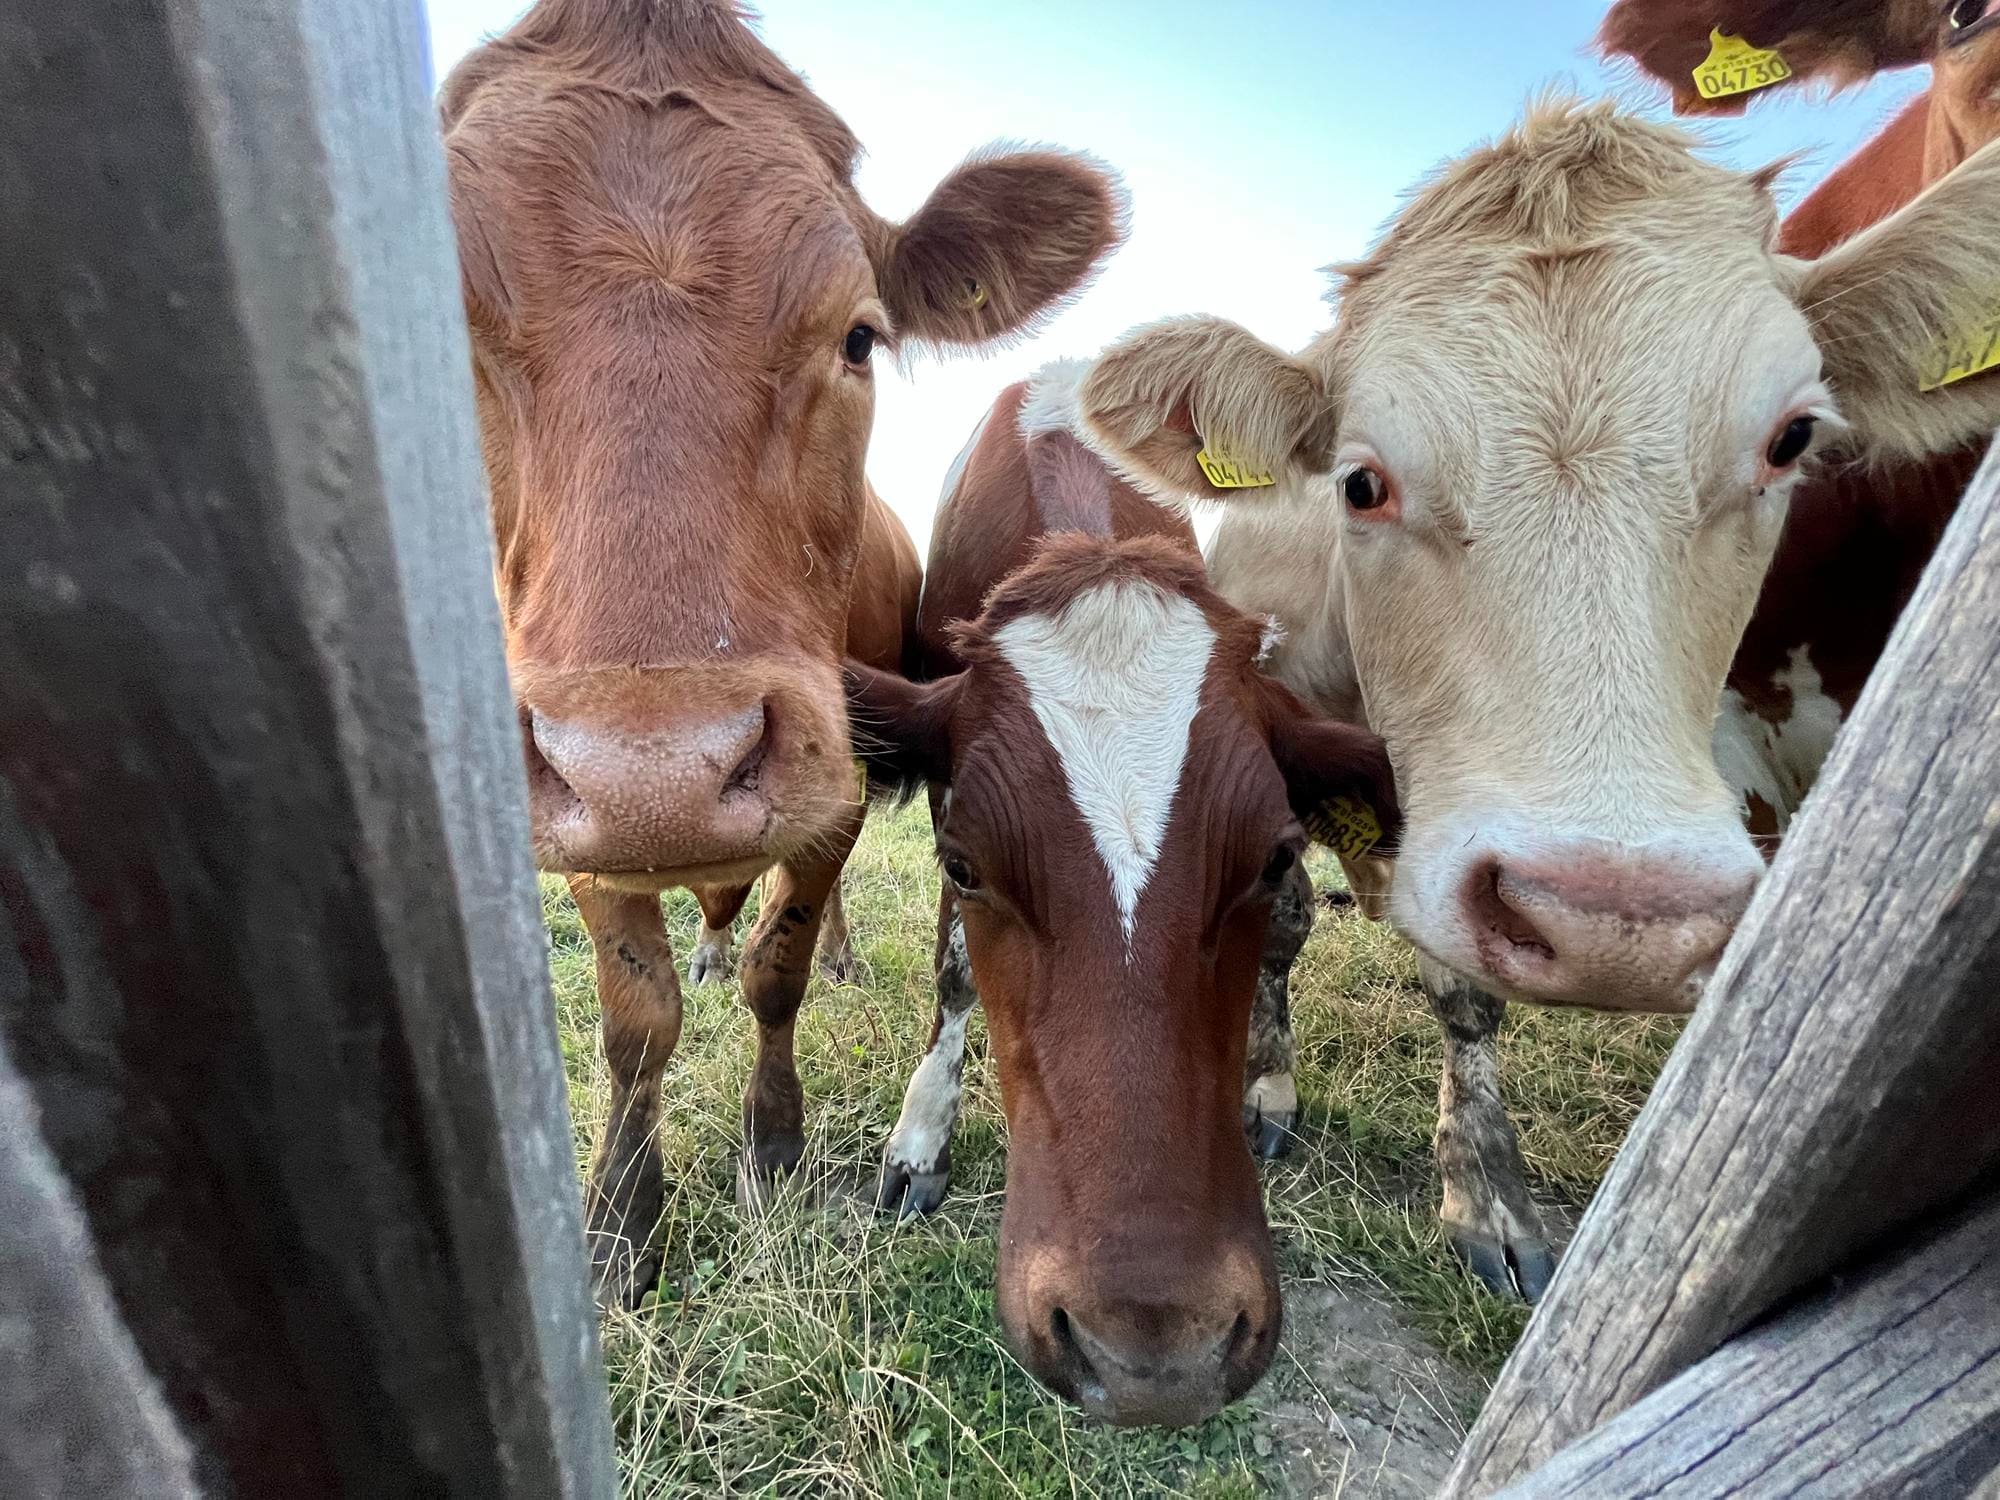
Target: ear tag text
[[1346, 825], [1964, 355], [1733, 66], [1227, 473]]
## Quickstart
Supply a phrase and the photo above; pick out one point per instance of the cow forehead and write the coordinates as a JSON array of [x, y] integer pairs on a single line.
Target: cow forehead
[[1114, 678]]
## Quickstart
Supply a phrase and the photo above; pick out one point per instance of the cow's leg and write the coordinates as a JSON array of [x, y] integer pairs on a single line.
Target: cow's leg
[[1489, 1217], [777, 962], [713, 960], [1270, 1088], [640, 994], [916, 1162], [836, 945]]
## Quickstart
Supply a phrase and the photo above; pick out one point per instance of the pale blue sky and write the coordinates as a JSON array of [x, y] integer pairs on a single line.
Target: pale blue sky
[[1259, 140]]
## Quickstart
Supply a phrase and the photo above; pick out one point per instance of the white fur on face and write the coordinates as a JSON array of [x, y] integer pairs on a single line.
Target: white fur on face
[[1115, 681]]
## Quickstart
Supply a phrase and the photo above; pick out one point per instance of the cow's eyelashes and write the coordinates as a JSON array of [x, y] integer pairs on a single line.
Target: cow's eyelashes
[[1963, 17]]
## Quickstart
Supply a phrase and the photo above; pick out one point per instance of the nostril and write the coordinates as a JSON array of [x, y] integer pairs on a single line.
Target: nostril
[[1490, 908], [1060, 1331], [542, 773], [1239, 1339], [751, 767]]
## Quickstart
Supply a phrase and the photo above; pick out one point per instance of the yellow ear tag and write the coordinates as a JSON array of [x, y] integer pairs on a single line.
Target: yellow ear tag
[[1733, 66], [1965, 355], [1346, 825], [1231, 473]]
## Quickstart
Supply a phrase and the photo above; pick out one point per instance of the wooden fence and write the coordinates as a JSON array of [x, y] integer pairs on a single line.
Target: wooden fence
[[288, 1189]]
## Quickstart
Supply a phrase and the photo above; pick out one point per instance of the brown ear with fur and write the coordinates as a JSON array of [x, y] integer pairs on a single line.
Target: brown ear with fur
[[1000, 243], [901, 729], [1896, 305], [1840, 42], [1168, 391], [1323, 760]]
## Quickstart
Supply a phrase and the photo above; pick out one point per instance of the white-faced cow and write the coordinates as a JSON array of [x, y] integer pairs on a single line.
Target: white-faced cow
[[1528, 487], [674, 293], [1117, 793]]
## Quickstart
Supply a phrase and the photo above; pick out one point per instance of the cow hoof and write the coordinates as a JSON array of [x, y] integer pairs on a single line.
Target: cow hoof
[[1271, 1134], [1513, 1268], [840, 967], [906, 1192], [621, 1273], [709, 964]]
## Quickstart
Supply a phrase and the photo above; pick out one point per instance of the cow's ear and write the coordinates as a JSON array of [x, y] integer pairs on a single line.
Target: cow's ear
[[1836, 41], [1904, 305], [901, 729], [1337, 776], [1204, 408], [1002, 242]]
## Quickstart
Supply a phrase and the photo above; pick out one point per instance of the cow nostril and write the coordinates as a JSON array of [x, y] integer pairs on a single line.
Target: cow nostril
[[1492, 910], [750, 768], [1239, 1339]]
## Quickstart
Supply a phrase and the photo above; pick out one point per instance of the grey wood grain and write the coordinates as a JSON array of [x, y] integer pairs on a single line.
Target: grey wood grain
[[270, 956], [1837, 1080], [1887, 1385]]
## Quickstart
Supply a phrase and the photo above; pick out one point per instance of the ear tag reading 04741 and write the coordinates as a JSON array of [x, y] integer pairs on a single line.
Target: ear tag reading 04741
[[1966, 355], [1733, 66], [1227, 473], [1346, 825]]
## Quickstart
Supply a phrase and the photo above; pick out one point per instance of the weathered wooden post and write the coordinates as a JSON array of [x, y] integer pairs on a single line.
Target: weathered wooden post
[[270, 958], [1838, 1081]]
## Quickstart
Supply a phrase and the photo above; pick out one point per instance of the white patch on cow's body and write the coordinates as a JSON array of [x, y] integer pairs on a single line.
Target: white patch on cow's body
[[1269, 639], [1050, 404], [1115, 680], [1778, 762]]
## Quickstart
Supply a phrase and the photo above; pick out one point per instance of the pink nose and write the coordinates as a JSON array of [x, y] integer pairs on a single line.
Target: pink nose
[[692, 792], [1602, 925]]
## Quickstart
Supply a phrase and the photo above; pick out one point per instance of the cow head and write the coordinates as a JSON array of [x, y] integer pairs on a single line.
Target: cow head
[[674, 294], [1125, 799], [1838, 43], [1552, 435]]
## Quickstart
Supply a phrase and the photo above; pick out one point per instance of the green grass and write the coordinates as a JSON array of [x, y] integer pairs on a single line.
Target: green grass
[[815, 1349]]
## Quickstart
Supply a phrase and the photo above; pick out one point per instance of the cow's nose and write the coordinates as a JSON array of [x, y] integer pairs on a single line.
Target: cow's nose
[[1599, 925], [685, 792]]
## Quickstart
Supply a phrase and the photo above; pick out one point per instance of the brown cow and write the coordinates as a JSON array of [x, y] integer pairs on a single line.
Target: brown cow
[[674, 292], [1116, 791], [1858, 537], [1528, 488]]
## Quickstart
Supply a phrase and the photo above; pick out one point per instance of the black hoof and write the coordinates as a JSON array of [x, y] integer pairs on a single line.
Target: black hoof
[[621, 1273], [906, 1193], [1521, 1270], [1271, 1135]]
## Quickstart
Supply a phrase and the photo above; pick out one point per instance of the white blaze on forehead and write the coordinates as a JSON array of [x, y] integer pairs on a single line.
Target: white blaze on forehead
[[1115, 680]]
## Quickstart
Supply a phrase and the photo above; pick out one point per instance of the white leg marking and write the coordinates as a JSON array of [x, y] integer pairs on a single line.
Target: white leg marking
[[712, 962], [1115, 680], [930, 1104], [1273, 1094]]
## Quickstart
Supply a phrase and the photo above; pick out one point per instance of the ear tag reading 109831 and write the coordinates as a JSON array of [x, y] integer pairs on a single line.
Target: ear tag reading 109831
[[1346, 825], [1733, 66], [1227, 473], [1966, 355]]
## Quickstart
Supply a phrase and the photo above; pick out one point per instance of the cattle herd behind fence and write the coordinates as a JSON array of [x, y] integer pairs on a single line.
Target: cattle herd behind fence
[[287, 1186]]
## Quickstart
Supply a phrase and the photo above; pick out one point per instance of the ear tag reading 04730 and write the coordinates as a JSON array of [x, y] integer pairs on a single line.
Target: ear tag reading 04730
[[1346, 825], [1966, 355], [1733, 66], [1227, 473]]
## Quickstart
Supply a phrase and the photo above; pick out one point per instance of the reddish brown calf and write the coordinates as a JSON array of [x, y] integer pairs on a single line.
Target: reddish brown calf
[[674, 293], [1116, 791]]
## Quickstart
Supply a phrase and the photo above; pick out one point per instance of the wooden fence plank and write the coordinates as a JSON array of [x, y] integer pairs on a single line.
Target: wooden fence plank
[[81, 1414], [1837, 1079], [278, 978], [1887, 1386]]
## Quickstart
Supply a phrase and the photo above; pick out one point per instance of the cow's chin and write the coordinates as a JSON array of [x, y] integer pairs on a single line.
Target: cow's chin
[[655, 882], [790, 841]]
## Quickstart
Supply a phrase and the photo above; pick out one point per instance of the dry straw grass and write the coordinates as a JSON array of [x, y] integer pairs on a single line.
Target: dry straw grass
[[813, 1349]]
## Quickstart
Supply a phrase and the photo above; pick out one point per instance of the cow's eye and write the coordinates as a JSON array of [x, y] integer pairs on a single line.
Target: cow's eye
[[960, 873], [1964, 14], [1279, 865], [1364, 489], [1790, 445], [859, 345]]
